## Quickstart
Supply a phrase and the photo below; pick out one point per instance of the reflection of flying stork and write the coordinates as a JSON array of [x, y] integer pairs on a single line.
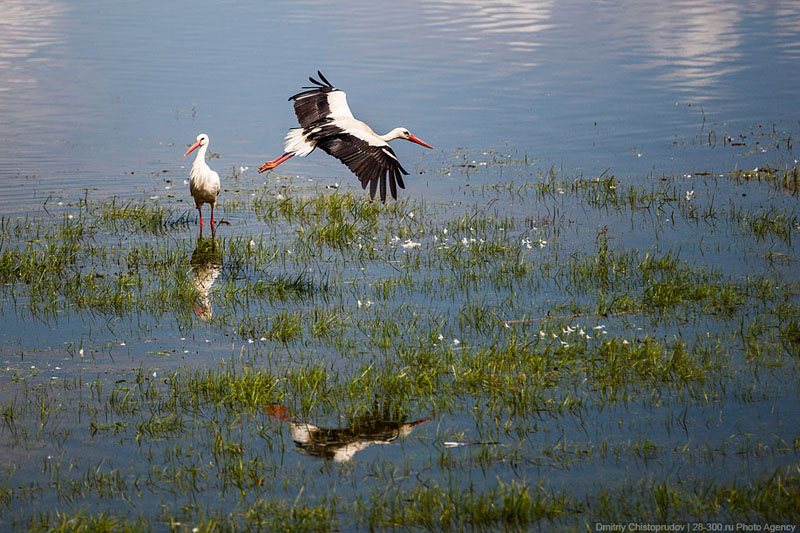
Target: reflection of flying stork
[[341, 444], [326, 121], [203, 182]]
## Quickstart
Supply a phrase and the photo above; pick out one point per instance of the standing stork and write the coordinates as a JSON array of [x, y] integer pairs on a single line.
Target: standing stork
[[326, 121], [203, 182]]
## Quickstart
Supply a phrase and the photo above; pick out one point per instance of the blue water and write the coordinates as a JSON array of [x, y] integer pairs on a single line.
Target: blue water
[[108, 96]]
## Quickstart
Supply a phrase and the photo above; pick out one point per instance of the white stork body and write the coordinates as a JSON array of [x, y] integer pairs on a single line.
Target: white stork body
[[327, 122], [204, 183]]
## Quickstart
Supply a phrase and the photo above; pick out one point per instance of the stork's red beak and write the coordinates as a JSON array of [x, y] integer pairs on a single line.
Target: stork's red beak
[[192, 148], [417, 140]]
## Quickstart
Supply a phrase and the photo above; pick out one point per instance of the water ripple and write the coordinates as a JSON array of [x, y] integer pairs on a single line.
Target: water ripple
[[92, 89]]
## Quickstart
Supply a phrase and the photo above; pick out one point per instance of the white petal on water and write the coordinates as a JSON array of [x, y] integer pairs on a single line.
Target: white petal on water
[[455, 444]]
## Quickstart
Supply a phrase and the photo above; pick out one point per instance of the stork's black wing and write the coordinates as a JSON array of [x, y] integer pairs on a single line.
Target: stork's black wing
[[373, 165], [322, 101]]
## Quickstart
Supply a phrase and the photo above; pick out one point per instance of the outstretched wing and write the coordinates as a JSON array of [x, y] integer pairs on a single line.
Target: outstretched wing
[[373, 165], [322, 101]]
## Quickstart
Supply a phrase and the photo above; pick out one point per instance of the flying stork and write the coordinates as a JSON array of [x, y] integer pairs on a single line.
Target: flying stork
[[326, 121]]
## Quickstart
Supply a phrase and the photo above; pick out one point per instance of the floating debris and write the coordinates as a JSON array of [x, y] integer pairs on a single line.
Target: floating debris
[[454, 444]]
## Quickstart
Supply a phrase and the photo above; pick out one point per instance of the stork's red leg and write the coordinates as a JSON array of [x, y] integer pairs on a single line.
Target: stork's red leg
[[200, 211], [269, 165]]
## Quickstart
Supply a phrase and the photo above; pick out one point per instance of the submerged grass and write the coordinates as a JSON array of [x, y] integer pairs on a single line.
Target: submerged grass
[[133, 215], [514, 506], [773, 499], [787, 180], [427, 360]]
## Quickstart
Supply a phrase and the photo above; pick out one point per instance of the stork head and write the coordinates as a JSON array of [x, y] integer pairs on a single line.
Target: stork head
[[403, 133], [202, 140]]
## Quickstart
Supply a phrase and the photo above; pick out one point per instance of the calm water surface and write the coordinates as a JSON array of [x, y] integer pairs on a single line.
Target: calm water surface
[[104, 96]]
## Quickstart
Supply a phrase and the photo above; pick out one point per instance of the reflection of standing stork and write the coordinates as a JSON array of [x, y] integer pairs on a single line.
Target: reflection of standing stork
[[326, 121], [206, 266], [203, 182], [341, 444]]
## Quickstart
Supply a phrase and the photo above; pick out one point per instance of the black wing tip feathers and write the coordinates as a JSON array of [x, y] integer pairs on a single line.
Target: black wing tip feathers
[[323, 78], [318, 86]]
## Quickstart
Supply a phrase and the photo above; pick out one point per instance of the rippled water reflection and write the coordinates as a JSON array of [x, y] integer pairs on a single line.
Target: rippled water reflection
[[94, 92]]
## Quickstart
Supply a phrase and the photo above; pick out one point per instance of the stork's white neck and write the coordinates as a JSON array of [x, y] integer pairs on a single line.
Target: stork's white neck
[[392, 135], [200, 159]]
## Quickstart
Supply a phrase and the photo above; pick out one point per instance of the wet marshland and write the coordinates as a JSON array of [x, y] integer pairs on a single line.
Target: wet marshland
[[581, 310]]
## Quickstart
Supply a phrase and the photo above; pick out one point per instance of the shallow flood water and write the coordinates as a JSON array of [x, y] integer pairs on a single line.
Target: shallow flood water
[[583, 308], [95, 92]]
